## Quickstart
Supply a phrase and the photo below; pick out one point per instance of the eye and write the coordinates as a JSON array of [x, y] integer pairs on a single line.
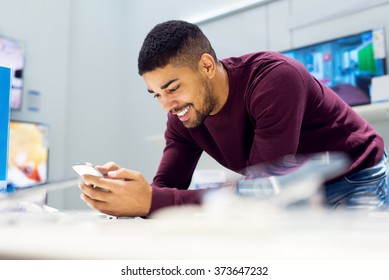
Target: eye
[[173, 89], [157, 95]]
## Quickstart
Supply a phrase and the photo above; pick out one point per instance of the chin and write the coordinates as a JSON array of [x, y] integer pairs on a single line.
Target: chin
[[188, 125], [192, 124]]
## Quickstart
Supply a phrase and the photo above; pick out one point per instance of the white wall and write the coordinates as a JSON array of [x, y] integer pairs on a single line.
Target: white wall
[[43, 27], [98, 70], [82, 57]]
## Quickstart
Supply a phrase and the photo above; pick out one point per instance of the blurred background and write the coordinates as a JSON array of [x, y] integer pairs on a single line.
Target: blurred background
[[79, 58]]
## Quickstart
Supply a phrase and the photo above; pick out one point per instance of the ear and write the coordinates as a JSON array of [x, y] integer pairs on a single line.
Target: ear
[[207, 65]]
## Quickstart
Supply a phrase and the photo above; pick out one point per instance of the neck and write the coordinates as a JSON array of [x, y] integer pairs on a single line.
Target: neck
[[220, 88]]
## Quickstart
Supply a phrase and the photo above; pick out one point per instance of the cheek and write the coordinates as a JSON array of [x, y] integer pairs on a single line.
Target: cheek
[[195, 99], [163, 103], [199, 95]]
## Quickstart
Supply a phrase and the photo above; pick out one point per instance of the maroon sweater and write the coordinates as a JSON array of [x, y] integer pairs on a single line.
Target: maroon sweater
[[275, 107]]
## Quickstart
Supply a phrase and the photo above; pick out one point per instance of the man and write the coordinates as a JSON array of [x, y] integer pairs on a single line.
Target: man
[[242, 111]]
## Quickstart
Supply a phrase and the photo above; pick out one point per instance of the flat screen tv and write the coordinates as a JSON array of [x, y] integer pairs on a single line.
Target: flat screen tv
[[28, 154], [347, 64], [12, 55]]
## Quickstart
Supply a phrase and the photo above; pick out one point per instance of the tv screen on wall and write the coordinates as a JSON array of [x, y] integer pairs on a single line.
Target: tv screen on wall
[[12, 55], [28, 154], [347, 64]]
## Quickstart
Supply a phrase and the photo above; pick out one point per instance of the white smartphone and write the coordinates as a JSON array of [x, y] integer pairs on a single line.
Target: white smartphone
[[84, 168]]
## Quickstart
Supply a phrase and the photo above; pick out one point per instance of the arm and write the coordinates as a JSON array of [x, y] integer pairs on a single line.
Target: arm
[[176, 168], [179, 159], [124, 192], [277, 105]]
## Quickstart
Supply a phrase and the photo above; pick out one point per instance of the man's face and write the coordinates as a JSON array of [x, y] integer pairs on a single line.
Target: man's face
[[183, 92]]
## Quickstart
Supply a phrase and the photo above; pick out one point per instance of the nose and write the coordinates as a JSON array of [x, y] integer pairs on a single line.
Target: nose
[[167, 103]]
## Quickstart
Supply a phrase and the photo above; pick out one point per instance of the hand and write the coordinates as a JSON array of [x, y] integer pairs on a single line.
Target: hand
[[122, 192]]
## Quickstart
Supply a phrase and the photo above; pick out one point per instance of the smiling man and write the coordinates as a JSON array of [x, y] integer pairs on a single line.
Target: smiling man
[[188, 95], [242, 111]]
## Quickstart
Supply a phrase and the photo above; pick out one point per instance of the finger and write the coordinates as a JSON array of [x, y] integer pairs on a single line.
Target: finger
[[105, 183], [95, 193], [109, 166], [82, 182], [124, 174], [92, 203], [101, 206]]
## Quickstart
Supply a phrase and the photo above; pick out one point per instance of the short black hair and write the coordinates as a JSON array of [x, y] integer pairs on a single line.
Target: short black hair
[[174, 42]]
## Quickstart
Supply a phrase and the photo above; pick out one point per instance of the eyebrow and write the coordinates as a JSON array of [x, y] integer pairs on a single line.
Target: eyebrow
[[164, 86]]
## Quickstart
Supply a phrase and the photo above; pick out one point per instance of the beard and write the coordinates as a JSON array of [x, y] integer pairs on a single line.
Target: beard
[[201, 113]]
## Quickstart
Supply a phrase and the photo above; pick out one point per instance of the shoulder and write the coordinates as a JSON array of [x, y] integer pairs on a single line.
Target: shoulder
[[256, 59], [253, 66]]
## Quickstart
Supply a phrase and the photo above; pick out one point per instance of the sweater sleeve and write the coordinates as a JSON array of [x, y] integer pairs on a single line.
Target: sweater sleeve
[[277, 104], [164, 197], [180, 157]]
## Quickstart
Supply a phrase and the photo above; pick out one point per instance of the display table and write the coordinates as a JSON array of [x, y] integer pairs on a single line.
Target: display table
[[313, 234]]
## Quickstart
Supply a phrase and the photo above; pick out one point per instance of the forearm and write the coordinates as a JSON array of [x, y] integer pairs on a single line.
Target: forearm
[[165, 197]]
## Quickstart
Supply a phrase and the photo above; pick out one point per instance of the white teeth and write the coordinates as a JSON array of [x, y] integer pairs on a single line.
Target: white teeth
[[183, 112]]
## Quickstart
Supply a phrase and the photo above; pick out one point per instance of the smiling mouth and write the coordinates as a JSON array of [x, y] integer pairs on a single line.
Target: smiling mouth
[[183, 111]]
